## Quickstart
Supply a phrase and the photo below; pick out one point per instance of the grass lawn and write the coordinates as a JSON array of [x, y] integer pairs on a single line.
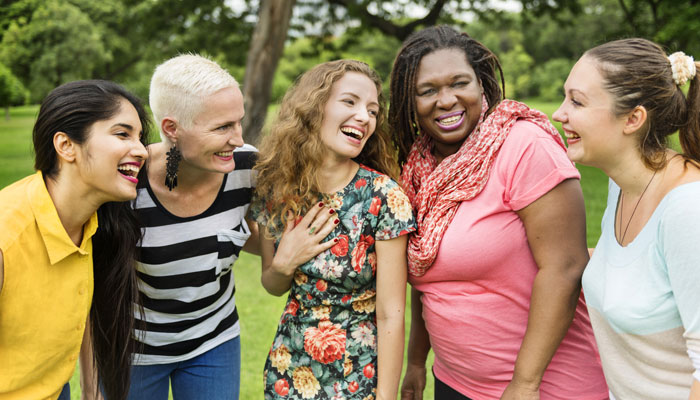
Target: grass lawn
[[259, 312]]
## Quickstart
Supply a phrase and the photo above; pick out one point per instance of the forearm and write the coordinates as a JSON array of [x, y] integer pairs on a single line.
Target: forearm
[[695, 390], [418, 339], [552, 307], [390, 345], [276, 280]]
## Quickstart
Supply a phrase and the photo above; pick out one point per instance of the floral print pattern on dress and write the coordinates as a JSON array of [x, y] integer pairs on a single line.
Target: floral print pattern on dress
[[326, 342]]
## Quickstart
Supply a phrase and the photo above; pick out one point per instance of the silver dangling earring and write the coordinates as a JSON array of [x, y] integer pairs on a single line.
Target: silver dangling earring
[[171, 164]]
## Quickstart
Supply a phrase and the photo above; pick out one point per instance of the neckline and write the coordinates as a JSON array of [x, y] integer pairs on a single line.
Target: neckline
[[354, 178], [652, 217], [161, 207]]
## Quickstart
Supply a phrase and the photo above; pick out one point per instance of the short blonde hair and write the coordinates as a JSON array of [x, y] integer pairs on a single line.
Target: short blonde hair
[[180, 85]]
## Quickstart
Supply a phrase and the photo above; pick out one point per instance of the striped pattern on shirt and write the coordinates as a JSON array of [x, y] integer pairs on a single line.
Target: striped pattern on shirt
[[185, 272]]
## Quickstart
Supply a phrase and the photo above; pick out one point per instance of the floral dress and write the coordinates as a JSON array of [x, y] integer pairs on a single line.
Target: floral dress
[[326, 341]]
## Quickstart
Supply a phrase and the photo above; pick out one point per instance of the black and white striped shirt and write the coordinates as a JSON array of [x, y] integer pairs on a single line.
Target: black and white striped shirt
[[185, 269]]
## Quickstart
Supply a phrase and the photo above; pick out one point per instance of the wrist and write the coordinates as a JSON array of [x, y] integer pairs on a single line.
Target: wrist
[[526, 382]]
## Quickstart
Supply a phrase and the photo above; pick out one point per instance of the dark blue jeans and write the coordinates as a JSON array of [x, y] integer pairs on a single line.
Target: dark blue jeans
[[213, 375]]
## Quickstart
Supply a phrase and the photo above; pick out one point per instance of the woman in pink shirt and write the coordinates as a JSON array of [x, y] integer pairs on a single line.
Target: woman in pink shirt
[[497, 260]]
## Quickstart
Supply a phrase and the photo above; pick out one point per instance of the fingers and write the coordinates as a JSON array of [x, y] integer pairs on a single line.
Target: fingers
[[320, 220], [310, 216]]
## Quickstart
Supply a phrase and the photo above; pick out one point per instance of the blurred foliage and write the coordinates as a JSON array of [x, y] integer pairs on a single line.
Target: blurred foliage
[[48, 42], [12, 92]]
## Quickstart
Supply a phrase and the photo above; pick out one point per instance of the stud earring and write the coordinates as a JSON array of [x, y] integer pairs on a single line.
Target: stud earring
[[171, 164]]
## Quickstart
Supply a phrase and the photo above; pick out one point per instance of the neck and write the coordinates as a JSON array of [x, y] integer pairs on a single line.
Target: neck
[[189, 178], [74, 204], [631, 177], [335, 174], [442, 150]]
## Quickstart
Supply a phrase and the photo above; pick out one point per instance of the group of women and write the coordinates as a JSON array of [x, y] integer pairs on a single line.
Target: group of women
[[468, 196]]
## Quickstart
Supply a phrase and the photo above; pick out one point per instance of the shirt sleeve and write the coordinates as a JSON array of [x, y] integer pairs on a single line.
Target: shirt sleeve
[[393, 210], [680, 240], [534, 163]]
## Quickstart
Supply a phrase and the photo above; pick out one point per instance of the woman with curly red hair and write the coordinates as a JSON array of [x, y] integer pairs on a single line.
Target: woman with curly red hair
[[328, 159]]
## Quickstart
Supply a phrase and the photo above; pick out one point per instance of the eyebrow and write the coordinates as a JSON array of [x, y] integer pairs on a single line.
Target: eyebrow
[[580, 93], [357, 97], [453, 77], [123, 125]]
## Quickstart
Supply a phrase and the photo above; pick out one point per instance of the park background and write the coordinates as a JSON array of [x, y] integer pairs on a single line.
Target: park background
[[266, 44]]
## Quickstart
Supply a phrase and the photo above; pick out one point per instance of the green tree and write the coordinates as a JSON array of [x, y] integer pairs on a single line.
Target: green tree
[[12, 92], [59, 44]]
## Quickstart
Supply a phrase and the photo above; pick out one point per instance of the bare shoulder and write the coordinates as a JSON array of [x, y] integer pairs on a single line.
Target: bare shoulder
[[683, 171]]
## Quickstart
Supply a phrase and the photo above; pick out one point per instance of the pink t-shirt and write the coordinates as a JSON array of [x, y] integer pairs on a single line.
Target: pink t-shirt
[[476, 296]]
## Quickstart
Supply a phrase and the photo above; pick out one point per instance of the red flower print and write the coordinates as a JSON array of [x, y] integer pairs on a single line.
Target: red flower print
[[292, 307], [340, 249], [309, 296], [282, 387], [359, 253], [368, 370], [372, 258], [326, 343], [374, 207], [353, 386], [346, 298], [360, 183], [321, 285]]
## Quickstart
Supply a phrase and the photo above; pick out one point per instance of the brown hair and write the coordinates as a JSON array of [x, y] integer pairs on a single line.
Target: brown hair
[[292, 152], [402, 114], [637, 72]]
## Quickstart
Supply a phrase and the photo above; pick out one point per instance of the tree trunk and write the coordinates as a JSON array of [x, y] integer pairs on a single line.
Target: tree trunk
[[266, 48]]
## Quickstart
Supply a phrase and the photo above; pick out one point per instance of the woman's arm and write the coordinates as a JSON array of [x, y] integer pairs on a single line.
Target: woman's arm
[[418, 348], [300, 243], [252, 245], [555, 225], [88, 369], [695, 390], [391, 301]]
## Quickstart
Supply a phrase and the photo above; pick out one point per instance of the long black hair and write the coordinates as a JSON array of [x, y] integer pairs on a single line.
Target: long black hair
[[73, 108]]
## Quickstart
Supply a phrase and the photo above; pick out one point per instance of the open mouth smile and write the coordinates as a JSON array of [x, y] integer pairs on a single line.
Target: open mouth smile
[[354, 133], [450, 121], [129, 171]]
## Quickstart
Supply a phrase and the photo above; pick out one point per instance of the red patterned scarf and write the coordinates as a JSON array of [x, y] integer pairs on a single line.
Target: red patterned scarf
[[435, 191]]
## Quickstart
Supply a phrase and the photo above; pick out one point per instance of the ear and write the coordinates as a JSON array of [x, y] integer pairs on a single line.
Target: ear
[[169, 128], [65, 147], [635, 120]]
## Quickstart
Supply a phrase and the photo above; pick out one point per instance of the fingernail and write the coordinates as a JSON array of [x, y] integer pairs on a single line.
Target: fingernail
[[320, 204], [335, 240], [331, 211], [336, 221]]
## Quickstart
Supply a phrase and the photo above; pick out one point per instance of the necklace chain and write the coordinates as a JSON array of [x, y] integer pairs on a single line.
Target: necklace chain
[[622, 198]]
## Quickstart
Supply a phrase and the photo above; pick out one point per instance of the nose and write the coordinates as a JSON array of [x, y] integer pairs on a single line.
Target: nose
[[446, 99], [139, 151], [236, 138], [362, 115], [559, 115]]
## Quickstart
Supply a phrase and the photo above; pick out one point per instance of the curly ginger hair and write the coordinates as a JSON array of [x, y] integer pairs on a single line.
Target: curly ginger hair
[[291, 154]]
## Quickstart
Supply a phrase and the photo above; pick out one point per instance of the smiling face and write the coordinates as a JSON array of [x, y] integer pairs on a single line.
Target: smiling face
[[349, 116], [110, 159], [592, 130], [216, 131], [448, 99]]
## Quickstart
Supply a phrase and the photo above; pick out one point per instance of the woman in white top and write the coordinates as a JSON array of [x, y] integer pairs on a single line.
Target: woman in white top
[[642, 284]]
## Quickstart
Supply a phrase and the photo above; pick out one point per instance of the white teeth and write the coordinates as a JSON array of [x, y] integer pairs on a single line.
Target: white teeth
[[129, 168], [353, 132], [225, 153], [450, 120]]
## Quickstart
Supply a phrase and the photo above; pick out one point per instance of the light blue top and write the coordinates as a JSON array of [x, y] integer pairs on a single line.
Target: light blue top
[[644, 298]]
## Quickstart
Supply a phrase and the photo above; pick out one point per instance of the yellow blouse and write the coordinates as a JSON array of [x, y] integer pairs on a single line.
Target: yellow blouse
[[46, 294]]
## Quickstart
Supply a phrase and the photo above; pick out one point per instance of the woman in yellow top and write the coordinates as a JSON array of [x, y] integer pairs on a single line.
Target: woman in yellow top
[[89, 146]]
